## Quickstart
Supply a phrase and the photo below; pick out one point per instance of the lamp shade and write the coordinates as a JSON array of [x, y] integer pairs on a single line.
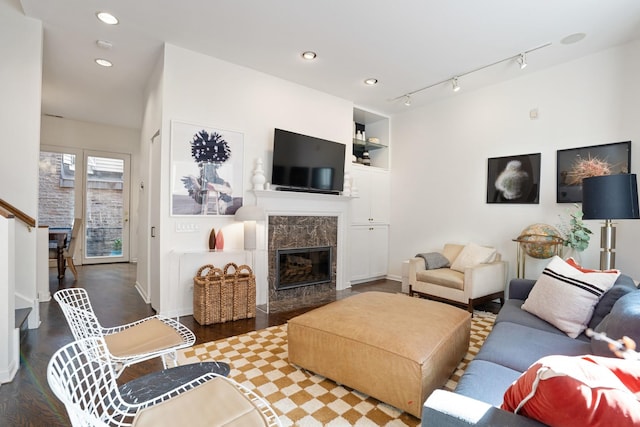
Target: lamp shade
[[250, 213], [610, 197]]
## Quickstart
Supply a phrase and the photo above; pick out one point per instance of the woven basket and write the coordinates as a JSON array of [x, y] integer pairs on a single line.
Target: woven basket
[[244, 292], [207, 285]]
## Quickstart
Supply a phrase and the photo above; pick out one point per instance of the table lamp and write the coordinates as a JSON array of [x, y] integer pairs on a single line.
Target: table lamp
[[609, 197], [249, 215]]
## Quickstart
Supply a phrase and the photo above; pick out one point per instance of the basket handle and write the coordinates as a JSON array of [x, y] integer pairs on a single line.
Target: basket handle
[[235, 268], [203, 269], [246, 268]]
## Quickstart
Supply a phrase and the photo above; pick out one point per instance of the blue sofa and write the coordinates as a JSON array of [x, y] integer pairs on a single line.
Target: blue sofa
[[517, 340]]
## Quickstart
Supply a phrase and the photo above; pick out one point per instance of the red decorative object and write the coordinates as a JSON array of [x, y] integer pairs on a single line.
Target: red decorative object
[[219, 241]]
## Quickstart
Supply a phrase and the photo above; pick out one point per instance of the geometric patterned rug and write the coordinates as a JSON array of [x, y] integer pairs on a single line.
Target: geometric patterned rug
[[259, 361]]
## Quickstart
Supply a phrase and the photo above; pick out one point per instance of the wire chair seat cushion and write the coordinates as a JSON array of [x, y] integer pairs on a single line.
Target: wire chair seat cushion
[[82, 376], [154, 336], [148, 336]]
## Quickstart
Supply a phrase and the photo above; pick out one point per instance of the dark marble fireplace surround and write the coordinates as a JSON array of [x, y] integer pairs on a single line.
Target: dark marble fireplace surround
[[290, 232]]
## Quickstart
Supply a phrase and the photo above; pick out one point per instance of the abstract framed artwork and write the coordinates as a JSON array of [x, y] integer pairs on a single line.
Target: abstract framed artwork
[[514, 179], [206, 170], [574, 164]]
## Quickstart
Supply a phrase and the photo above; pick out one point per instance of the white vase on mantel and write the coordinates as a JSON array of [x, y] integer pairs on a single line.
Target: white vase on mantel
[[258, 179]]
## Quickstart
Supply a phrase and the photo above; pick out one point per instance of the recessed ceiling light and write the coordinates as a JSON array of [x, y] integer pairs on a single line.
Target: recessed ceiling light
[[573, 38], [371, 81], [104, 62], [107, 18], [309, 55]]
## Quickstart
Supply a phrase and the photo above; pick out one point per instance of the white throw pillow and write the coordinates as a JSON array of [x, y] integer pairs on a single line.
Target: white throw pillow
[[565, 296], [472, 255]]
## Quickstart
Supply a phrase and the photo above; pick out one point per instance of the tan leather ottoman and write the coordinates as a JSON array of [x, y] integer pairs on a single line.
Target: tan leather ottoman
[[393, 347]]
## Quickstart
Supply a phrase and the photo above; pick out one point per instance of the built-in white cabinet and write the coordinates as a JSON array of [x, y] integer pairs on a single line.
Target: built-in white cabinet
[[372, 203], [371, 192], [369, 252]]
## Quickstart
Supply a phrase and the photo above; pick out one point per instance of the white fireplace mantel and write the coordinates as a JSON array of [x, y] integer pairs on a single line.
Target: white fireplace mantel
[[290, 203]]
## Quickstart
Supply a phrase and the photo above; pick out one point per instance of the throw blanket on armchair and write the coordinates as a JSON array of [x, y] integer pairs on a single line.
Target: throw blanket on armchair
[[434, 260]]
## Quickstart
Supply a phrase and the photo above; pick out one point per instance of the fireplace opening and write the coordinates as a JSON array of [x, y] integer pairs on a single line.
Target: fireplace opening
[[302, 267]]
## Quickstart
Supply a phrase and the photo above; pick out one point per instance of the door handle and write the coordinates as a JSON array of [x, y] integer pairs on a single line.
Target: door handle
[[153, 232]]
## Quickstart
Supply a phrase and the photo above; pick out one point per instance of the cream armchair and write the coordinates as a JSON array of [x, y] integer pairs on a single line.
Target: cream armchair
[[475, 275]]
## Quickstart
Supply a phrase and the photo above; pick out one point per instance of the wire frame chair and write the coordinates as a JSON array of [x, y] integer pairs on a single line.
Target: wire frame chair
[[154, 336], [81, 375]]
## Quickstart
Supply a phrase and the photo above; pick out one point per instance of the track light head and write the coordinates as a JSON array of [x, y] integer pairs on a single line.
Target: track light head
[[454, 84], [522, 60], [407, 100]]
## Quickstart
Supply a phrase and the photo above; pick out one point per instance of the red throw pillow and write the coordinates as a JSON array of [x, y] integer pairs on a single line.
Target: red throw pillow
[[572, 262], [564, 391]]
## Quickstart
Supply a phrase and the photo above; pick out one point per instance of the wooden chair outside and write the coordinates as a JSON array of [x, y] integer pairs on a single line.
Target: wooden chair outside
[[71, 247]]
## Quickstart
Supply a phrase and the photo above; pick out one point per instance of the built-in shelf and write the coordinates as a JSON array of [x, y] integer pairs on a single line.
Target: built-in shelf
[[376, 126]]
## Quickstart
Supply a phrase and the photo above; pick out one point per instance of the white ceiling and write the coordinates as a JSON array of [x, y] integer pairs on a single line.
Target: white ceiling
[[405, 44]]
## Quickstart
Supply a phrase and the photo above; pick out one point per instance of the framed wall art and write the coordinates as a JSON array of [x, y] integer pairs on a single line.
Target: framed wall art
[[514, 179], [206, 170], [574, 164]]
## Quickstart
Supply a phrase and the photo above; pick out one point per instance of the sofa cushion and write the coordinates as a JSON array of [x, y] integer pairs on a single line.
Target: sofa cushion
[[623, 285], [443, 277], [472, 255], [623, 320], [512, 312], [486, 381], [565, 297], [577, 391], [517, 346]]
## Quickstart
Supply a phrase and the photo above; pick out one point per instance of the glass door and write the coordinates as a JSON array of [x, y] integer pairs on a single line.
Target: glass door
[[57, 188], [106, 183]]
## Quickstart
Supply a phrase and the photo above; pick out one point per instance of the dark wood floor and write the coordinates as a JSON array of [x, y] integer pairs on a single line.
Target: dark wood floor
[[27, 401]]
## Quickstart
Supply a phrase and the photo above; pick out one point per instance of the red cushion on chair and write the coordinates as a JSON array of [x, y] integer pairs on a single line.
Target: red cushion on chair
[[578, 391]]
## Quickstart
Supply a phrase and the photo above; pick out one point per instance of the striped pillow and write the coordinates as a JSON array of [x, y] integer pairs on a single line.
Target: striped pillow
[[565, 296]]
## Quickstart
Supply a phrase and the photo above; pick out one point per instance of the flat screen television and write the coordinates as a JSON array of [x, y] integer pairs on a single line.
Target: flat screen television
[[306, 163]]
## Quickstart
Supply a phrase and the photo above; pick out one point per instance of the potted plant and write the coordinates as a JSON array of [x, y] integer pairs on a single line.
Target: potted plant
[[117, 247], [575, 234]]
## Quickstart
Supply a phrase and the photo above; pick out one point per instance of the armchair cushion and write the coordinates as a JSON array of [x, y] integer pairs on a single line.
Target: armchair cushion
[[473, 255], [442, 277]]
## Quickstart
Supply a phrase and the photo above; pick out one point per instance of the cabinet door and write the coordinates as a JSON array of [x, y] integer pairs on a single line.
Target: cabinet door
[[369, 252], [359, 237], [378, 250], [361, 205], [380, 197], [372, 204]]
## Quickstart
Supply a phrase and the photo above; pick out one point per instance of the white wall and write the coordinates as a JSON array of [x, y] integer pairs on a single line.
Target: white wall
[[204, 90], [66, 133], [440, 152], [20, 86], [149, 189]]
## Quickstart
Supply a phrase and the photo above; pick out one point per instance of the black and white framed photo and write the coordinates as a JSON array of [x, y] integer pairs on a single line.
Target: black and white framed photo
[[575, 164], [514, 179], [206, 170]]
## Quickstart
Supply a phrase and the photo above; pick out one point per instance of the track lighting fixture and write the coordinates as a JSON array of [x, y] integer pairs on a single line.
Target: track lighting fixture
[[454, 84], [522, 60]]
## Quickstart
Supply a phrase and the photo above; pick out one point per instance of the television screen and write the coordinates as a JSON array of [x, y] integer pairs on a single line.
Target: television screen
[[307, 163]]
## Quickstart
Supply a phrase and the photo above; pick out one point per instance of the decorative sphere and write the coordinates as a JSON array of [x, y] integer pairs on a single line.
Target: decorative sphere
[[540, 240]]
